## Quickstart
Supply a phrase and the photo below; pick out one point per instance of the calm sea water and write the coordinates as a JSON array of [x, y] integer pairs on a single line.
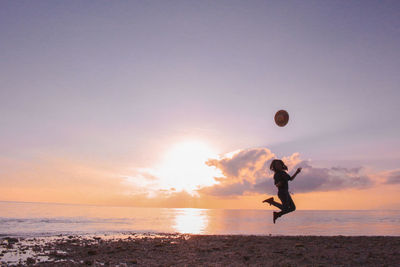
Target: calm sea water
[[35, 219]]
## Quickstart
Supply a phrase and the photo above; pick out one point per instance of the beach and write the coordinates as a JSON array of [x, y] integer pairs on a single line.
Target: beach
[[199, 250]]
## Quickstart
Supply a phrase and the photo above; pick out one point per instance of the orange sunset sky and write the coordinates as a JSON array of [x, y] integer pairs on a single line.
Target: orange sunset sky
[[171, 103]]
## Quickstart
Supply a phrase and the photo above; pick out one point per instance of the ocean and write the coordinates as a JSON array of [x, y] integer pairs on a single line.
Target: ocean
[[43, 219]]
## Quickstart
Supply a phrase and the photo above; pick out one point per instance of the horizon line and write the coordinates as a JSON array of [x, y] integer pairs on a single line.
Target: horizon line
[[151, 207]]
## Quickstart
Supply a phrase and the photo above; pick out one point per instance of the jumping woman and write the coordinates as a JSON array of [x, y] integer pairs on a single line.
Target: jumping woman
[[281, 178]]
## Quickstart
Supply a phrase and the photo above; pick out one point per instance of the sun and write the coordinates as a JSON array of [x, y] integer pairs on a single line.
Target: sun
[[184, 167]]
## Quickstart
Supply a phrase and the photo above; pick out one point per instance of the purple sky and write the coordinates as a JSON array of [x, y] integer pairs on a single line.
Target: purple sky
[[118, 81]]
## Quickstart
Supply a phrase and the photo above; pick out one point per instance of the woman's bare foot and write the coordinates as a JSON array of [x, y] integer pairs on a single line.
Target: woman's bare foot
[[269, 200]]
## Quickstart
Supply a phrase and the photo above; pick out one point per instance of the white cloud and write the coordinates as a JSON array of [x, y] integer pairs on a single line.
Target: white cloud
[[247, 171]]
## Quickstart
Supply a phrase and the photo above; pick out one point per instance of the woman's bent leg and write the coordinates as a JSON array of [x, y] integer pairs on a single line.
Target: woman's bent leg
[[276, 204], [287, 203], [292, 206]]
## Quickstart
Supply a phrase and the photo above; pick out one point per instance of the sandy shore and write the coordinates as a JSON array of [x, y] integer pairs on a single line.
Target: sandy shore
[[200, 250]]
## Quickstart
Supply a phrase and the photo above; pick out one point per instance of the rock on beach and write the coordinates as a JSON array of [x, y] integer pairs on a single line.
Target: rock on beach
[[211, 250]]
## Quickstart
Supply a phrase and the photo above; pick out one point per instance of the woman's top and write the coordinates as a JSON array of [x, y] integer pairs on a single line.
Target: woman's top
[[283, 178]]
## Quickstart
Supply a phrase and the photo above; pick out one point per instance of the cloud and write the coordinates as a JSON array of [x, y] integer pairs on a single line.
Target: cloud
[[231, 189], [330, 179], [244, 165], [392, 177], [247, 171], [241, 173]]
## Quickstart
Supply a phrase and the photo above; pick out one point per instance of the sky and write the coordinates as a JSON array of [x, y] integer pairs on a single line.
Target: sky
[[171, 103]]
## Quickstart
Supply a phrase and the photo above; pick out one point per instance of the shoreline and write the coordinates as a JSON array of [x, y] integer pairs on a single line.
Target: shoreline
[[138, 249]]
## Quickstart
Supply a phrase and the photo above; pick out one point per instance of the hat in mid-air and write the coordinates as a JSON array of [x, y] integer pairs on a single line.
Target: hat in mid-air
[[281, 118]]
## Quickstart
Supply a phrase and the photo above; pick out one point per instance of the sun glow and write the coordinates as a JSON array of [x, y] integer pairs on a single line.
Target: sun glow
[[184, 167]]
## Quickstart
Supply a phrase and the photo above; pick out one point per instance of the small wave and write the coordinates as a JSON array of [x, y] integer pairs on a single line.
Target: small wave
[[66, 220]]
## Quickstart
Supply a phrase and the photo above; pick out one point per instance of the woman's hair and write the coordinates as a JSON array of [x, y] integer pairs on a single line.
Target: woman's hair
[[272, 167]]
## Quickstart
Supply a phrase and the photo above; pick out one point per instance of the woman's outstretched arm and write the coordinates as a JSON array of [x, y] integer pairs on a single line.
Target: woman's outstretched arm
[[295, 174]]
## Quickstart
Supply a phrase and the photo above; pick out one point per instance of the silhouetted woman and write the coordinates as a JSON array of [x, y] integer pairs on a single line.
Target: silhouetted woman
[[281, 179]]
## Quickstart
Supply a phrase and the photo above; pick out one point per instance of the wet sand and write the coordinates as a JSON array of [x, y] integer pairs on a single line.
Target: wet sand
[[200, 250]]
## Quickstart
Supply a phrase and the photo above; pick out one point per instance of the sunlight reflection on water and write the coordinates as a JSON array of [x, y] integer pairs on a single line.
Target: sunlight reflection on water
[[191, 221], [34, 219]]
